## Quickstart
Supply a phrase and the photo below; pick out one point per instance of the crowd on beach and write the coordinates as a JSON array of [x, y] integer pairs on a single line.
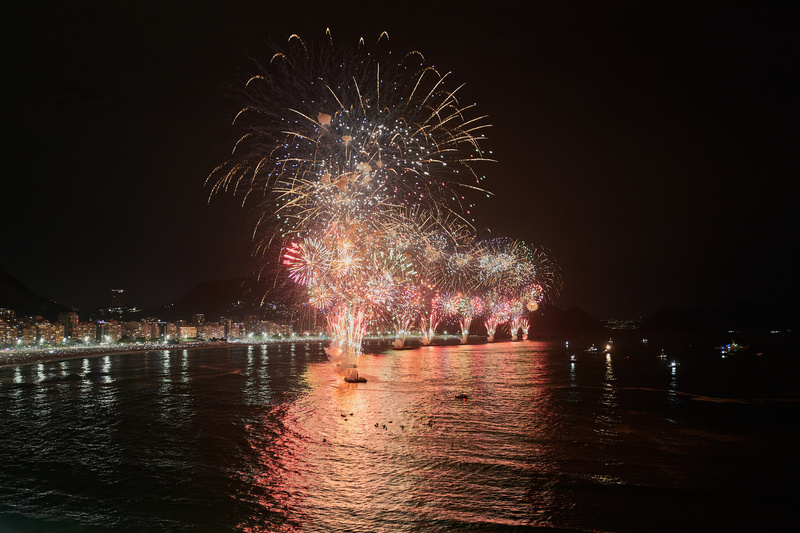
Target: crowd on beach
[[31, 355]]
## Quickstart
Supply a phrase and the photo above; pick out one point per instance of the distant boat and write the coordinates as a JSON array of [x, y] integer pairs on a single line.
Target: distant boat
[[592, 349], [353, 377], [731, 348]]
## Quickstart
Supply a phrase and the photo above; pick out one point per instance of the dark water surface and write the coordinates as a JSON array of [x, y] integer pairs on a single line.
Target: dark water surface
[[269, 438]]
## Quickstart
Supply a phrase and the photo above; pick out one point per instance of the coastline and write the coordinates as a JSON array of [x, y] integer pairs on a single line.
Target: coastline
[[10, 359], [35, 357]]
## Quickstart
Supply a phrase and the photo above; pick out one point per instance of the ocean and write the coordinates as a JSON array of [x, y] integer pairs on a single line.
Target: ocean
[[509, 436]]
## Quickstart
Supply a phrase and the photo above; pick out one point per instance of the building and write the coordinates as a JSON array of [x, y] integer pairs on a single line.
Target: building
[[143, 329], [212, 330], [233, 329], [84, 332], [187, 332], [109, 331], [117, 300], [149, 328], [47, 333], [29, 334], [8, 332], [171, 330], [70, 321]]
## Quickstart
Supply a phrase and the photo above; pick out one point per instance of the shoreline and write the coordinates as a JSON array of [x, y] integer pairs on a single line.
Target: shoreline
[[13, 359], [10, 359]]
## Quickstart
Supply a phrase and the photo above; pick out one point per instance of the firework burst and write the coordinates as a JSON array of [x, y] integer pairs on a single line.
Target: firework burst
[[326, 128], [361, 166]]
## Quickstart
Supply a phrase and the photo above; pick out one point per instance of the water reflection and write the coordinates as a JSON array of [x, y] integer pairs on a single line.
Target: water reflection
[[257, 390], [271, 444], [165, 372], [609, 398], [173, 376], [606, 416], [673, 397], [574, 395], [106, 370], [401, 450], [84, 383], [185, 375]]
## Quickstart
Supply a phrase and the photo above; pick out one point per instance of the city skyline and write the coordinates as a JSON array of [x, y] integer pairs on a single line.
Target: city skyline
[[646, 147]]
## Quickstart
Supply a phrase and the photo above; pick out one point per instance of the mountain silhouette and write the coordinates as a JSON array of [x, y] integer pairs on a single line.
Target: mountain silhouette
[[14, 295]]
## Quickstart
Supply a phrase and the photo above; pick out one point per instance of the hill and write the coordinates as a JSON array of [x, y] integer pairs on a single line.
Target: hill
[[241, 296], [550, 321], [212, 299], [14, 295], [742, 316]]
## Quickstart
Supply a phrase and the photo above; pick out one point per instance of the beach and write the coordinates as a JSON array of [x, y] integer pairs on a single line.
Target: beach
[[12, 358]]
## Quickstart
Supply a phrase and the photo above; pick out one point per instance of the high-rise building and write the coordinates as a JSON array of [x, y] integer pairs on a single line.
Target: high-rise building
[[109, 331], [8, 332], [70, 321], [117, 299], [85, 332], [49, 333]]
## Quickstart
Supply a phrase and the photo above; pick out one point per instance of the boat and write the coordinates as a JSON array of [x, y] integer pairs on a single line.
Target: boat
[[731, 348], [353, 377], [461, 396]]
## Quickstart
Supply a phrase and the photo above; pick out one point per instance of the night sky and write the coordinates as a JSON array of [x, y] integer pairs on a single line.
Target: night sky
[[651, 146]]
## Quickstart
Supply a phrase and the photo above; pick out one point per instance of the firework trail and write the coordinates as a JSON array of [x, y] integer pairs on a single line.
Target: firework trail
[[361, 167], [326, 128], [515, 277], [338, 141]]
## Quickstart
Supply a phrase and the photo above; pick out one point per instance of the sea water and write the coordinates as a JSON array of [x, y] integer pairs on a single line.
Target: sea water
[[509, 436]]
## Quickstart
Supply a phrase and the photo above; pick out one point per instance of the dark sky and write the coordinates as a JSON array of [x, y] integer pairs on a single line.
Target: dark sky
[[651, 146]]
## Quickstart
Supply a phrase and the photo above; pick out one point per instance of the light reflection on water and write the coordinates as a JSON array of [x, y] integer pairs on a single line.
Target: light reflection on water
[[401, 450], [269, 438]]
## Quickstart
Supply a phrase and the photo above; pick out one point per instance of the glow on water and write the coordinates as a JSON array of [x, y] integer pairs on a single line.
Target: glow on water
[[402, 445], [475, 437]]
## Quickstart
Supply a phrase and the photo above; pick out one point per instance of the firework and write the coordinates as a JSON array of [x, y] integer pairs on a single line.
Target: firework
[[361, 166], [326, 128], [516, 277]]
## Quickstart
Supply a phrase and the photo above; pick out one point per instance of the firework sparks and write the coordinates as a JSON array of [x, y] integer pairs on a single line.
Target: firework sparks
[[360, 165]]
